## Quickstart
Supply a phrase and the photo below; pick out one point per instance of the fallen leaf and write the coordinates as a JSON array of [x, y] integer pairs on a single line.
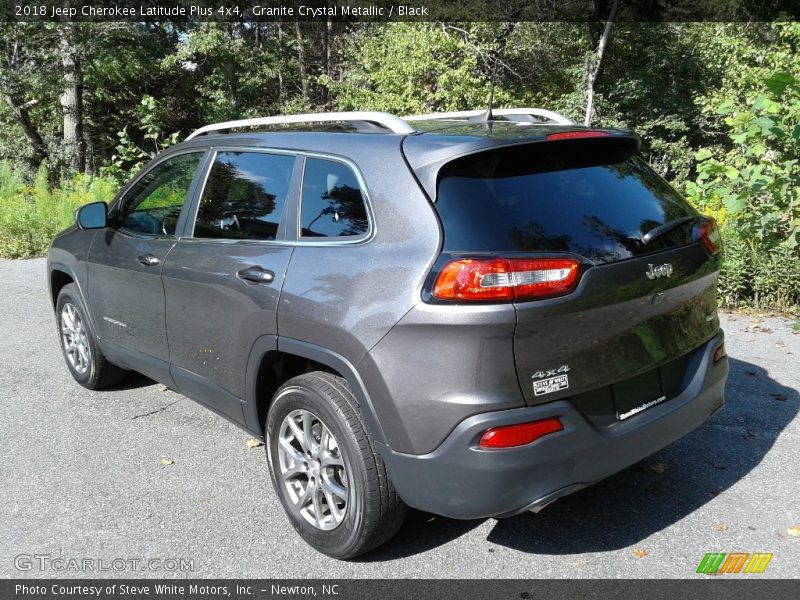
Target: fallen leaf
[[794, 531], [163, 388], [254, 443], [778, 396], [721, 527], [720, 466], [658, 468], [749, 435], [751, 373], [639, 553], [166, 461], [780, 344]]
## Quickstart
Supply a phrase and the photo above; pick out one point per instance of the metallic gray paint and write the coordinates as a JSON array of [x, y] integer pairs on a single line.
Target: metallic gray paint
[[122, 288], [461, 481], [213, 318], [610, 329], [421, 372], [439, 365]]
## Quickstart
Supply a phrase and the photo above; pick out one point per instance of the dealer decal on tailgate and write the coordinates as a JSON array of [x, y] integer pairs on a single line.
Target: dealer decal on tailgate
[[555, 380]]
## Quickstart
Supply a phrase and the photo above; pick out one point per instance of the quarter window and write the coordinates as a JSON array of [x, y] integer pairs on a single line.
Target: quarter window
[[244, 196], [332, 203], [154, 203]]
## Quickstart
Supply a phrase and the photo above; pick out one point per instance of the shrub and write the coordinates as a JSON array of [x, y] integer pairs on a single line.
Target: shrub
[[32, 214], [755, 275]]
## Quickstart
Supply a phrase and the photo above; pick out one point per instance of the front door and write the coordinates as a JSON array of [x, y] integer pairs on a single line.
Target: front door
[[126, 259]]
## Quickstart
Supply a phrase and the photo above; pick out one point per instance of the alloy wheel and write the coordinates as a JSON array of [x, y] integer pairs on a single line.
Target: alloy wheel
[[75, 339], [313, 470]]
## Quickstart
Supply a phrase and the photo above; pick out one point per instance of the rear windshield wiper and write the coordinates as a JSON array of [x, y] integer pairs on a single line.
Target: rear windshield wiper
[[661, 230]]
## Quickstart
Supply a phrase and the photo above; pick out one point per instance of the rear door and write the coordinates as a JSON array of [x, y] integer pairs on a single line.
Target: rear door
[[641, 305], [222, 280]]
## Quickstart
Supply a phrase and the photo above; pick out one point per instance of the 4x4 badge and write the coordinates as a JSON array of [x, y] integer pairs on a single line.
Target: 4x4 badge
[[664, 270], [550, 372]]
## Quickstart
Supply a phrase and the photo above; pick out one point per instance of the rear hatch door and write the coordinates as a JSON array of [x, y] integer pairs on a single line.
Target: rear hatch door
[[646, 296]]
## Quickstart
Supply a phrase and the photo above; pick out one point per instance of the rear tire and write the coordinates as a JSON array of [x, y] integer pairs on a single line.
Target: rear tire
[[326, 471], [84, 359]]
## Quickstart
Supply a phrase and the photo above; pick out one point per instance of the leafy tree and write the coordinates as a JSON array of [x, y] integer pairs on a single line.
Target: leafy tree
[[758, 180]]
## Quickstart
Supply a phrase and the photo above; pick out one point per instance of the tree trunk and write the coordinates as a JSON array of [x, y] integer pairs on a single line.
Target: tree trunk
[[301, 61], [72, 99], [281, 63], [593, 71], [21, 115], [231, 78], [328, 36]]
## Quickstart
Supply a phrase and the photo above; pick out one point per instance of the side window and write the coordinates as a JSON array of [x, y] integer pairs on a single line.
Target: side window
[[244, 196], [333, 204], [154, 203]]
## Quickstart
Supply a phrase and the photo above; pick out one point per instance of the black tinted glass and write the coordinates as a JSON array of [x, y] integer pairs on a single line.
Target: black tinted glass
[[591, 198], [154, 203], [333, 205], [244, 196]]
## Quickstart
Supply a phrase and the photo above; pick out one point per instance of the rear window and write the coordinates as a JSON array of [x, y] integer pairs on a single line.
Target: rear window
[[593, 198]]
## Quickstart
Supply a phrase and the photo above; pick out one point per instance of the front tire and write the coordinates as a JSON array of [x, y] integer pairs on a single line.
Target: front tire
[[325, 468], [84, 359]]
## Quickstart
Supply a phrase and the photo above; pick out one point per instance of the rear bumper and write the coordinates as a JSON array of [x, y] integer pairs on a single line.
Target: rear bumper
[[460, 481]]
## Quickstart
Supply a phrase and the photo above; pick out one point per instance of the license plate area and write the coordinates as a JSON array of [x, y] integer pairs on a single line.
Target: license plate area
[[625, 399], [637, 393]]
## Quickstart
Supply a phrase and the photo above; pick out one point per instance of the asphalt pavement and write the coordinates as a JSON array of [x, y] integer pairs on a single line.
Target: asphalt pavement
[[143, 482]]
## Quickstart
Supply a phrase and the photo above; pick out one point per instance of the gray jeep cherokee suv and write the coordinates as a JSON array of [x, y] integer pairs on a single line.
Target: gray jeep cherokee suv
[[472, 317]]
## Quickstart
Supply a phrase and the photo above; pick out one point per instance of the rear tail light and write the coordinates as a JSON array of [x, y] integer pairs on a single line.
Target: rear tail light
[[511, 436], [570, 135], [708, 232], [720, 353], [505, 279]]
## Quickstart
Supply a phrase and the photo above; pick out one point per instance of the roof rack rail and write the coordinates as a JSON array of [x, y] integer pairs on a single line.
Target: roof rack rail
[[523, 115], [371, 120]]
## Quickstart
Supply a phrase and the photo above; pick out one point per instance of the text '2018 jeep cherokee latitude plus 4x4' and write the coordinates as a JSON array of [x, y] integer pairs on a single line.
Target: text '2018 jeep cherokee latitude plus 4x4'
[[471, 317]]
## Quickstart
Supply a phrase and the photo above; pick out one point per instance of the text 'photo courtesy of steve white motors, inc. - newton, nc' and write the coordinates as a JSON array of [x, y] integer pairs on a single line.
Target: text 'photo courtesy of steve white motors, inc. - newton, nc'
[[207, 10], [192, 590]]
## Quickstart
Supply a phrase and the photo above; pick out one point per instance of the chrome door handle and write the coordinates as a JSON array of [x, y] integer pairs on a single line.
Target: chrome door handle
[[148, 260], [256, 275]]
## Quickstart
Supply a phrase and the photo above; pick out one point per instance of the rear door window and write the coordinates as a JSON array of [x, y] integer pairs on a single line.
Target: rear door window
[[333, 203], [244, 196], [591, 198]]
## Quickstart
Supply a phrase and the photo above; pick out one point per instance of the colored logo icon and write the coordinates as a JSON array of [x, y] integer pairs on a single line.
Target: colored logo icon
[[719, 563]]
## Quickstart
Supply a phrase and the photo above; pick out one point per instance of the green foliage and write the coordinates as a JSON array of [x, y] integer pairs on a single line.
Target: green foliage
[[758, 180], [31, 214], [411, 68], [716, 104], [755, 275], [130, 156]]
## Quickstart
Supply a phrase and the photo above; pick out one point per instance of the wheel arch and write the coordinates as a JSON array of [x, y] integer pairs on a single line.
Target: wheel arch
[[59, 277], [274, 360]]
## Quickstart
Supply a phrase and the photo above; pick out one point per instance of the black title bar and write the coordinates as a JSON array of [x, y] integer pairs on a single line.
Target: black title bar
[[408, 10]]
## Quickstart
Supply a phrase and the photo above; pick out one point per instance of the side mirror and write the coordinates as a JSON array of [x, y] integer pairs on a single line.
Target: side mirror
[[92, 216]]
